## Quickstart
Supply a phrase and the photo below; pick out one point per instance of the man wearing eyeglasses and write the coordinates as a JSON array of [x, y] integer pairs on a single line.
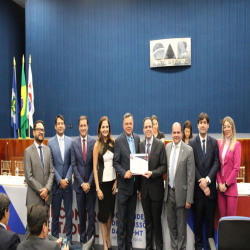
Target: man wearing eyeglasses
[[38, 170]]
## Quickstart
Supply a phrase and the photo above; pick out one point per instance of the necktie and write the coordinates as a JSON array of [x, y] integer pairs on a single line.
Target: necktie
[[148, 149], [83, 150], [203, 149], [131, 145], [172, 168], [61, 147], [41, 155]]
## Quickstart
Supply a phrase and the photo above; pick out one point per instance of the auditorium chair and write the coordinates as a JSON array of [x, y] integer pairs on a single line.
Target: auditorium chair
[[5, 167], [233, 234], [19, 164], [241, 175]]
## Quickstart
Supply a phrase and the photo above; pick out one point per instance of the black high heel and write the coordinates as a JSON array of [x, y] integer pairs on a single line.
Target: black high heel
[[108, 247]]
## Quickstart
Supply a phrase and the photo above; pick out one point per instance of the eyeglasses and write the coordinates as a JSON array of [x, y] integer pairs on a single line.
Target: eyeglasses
[[226, 127], [40, 130]]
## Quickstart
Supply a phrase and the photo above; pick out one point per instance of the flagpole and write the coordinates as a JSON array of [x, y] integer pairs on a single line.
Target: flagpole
[[23, 61], [28, 92], [14, 63], [21, 100]]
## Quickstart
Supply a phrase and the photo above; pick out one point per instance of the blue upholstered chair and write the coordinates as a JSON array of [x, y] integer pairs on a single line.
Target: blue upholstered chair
[[233, 233]]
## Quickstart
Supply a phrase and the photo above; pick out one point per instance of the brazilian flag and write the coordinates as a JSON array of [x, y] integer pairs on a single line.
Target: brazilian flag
[[24, 124]]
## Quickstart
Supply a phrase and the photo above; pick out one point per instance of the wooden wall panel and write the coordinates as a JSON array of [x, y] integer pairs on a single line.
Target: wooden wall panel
[[15, 149], [245, 157], [3, 149]]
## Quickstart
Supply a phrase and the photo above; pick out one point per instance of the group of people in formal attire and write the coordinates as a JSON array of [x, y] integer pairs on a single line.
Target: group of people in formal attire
[[191, 164]]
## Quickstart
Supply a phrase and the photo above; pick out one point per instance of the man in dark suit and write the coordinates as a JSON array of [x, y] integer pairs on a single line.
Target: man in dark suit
[[206, 154], [8, 239], [38, 222], [84, 185], [38, 170], [179, 188], [127, 143], [60, 146], [151, 188]]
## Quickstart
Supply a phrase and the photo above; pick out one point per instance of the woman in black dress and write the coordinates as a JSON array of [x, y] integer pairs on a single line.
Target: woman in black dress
[[105, 178], [157, 134]]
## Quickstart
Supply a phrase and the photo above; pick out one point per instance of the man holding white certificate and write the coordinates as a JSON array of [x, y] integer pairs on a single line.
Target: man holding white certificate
[[125, 144], [151, 185]]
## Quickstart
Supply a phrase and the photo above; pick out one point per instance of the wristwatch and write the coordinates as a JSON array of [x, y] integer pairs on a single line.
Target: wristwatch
[[226, 185]]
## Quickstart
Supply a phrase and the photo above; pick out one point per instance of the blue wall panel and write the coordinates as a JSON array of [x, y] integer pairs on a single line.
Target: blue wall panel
[[12, 44], [92, 58]]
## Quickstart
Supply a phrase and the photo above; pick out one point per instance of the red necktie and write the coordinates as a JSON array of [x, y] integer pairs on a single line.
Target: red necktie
[[83, 150], [148, 151]]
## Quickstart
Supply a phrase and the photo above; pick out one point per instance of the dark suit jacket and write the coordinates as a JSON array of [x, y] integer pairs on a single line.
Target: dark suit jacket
[[63, 169], [154, 186], [82, 169], [35, 176], [35, 243], [8, 239], [205, 168], [122, 163]]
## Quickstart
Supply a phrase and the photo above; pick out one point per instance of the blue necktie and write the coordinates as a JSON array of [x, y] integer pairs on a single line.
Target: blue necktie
[[41, 155], [172, 168], [62, 153], [203, 149], [131, 145]]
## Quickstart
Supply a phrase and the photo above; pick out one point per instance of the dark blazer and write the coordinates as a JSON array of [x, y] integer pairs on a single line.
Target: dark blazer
[[154, 186], [8, 240], [35, 243], [80, 168], [62, 169], [205, 168], [122, 163], [160, 135], [35, 176]]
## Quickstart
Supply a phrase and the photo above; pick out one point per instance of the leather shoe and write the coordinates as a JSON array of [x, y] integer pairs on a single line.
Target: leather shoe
[[88, 244]]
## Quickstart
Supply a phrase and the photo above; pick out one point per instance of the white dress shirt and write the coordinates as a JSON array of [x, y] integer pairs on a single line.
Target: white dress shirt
[[61, 145], [38, 149], [85, 147], [176, 158], [3, 225], [146, 144], [202, 143], [85, 144]]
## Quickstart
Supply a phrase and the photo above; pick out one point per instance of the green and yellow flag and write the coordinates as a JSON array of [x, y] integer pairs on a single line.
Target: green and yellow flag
[[24, 124]]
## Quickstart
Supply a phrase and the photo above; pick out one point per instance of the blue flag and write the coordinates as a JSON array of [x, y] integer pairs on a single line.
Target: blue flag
[[14, 106]]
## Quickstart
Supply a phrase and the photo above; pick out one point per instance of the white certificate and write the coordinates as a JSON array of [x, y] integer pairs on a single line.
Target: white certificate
[[138, 163]]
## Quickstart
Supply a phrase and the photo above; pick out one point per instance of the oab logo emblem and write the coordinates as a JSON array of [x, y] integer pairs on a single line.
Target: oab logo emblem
[[170, 52]]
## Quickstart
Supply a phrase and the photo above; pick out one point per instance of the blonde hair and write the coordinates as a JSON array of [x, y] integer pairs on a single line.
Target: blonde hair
[[233, 137]]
